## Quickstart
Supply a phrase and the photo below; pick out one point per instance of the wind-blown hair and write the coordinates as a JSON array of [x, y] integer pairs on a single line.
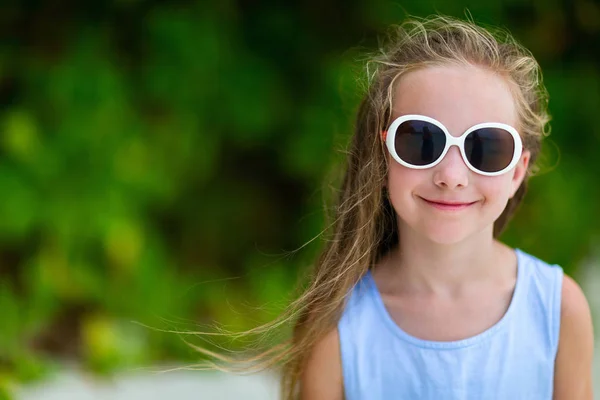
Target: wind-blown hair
[[364, 224]]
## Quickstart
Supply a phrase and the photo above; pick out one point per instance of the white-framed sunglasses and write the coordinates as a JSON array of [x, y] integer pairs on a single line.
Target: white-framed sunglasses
[[419, 142]]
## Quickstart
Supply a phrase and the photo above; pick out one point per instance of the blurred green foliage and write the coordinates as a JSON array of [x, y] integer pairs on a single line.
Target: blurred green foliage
[[158, 160]]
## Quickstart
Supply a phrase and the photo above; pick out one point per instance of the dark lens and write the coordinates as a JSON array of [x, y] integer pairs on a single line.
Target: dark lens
[[419, 142], [489, 149]]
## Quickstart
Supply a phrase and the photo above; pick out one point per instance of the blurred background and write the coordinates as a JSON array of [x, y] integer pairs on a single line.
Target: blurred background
[[161, 161]]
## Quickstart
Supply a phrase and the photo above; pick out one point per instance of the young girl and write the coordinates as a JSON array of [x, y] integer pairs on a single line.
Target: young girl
[[413, 296]]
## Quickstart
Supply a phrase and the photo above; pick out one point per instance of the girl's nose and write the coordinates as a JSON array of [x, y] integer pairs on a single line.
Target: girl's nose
[[451, 172]]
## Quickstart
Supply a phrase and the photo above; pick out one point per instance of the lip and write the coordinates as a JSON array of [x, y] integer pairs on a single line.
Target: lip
[[447, 205]]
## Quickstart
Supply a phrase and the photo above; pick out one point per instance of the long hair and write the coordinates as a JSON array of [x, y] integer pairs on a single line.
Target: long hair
[[364, 224]]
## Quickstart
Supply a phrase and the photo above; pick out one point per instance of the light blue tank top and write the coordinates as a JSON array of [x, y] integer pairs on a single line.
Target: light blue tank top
[[514, 359]]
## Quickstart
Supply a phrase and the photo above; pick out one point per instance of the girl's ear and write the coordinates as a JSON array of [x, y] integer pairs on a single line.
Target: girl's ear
[[383, 135], [520, 172]]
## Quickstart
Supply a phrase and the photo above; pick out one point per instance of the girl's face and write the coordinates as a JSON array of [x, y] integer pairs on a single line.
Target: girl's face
[[459, 97]]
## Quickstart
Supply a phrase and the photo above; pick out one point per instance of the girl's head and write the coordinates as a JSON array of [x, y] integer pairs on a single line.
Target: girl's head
[[461, 75]]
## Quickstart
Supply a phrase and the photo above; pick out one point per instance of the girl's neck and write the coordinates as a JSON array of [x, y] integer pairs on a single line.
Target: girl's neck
[[420, 266]]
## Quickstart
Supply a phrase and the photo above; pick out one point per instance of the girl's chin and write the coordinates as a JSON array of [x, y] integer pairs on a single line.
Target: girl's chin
[[447, 235]]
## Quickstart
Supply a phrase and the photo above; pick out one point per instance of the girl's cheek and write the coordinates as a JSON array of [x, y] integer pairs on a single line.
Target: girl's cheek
[[497, 188]]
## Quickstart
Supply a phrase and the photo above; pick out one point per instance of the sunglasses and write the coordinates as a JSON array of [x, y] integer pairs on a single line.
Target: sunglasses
[[419, 142]]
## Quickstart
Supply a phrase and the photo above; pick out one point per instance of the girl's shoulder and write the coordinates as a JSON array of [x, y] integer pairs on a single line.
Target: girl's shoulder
[[322, 377], [573, 326], [539, 286], [536, 269], [576, 345]]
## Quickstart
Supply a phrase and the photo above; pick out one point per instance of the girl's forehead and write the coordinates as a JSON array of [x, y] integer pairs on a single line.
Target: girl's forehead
[[459, 96]]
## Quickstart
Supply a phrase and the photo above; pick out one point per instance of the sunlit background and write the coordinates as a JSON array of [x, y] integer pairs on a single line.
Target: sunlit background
[[160, 162]]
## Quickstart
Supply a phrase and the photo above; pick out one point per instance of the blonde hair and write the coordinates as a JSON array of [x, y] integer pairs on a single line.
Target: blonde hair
[[364, 225]]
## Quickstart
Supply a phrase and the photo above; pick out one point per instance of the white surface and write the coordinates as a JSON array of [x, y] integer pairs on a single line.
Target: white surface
[[177, 385]]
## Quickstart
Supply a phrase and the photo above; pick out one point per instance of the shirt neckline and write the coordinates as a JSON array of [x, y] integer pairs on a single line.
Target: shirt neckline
[[454, 344]]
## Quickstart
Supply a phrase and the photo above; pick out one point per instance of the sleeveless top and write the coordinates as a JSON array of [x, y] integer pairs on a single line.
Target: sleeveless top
[[514, 359]]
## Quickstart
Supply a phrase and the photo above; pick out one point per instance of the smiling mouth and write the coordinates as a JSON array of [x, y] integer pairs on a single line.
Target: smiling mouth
[[448, 206]]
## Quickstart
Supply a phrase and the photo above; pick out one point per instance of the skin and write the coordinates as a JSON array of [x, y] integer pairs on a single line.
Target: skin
[[451, 272]]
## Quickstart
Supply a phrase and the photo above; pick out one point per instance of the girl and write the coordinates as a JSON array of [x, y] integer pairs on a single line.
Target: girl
[[413, 296], [438, 308]]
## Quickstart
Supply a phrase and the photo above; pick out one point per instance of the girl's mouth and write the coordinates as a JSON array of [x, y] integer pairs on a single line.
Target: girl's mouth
[[448, 205]]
